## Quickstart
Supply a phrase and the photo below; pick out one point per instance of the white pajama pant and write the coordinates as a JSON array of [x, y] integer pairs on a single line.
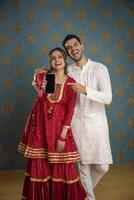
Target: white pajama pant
[[90, 175]]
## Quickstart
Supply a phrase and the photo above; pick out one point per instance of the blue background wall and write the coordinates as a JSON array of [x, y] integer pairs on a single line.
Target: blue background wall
[[30, 28]]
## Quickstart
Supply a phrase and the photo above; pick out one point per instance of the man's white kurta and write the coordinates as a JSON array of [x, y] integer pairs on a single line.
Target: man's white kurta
[[89, 123]]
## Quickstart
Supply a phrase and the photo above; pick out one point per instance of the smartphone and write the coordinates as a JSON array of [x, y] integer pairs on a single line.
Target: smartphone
[[50, 78]]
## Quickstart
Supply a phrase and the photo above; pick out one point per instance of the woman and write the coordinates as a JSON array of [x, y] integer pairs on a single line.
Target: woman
[[47, 140]]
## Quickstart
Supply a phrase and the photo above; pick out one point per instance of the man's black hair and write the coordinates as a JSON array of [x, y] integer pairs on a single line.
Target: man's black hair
[[69, 37]]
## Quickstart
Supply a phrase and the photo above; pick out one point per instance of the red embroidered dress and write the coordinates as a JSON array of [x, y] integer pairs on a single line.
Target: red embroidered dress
[[51, 175]]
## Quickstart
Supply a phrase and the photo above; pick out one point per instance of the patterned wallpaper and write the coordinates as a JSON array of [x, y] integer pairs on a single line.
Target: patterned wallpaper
[[30, 28]]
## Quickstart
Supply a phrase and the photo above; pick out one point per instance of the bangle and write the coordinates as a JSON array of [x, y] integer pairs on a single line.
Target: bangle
[[62, 139]]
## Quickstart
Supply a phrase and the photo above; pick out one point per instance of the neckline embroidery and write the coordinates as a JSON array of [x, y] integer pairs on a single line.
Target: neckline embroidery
[[55, 96]]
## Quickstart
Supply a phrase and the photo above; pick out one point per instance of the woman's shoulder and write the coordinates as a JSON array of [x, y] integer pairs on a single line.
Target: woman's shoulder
[[70, 79]]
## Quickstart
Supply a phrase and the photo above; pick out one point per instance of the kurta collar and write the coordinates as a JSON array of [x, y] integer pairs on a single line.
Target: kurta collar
[[84, 66]]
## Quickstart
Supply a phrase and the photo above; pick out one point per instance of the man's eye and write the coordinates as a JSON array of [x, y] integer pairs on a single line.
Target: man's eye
[[68, 48]]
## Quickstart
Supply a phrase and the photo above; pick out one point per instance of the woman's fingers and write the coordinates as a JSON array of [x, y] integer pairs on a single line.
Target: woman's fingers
[[44, 84]]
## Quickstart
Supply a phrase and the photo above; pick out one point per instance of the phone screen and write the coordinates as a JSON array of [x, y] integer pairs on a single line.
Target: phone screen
[[50, 78]]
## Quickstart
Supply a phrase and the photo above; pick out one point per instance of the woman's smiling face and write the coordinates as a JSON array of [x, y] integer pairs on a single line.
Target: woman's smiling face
[[57, 61]]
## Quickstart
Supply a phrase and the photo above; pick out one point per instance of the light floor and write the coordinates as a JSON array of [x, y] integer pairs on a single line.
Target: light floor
[[117, 184]]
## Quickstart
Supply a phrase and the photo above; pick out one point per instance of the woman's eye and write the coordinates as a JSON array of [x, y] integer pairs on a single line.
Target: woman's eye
[[52, 58]]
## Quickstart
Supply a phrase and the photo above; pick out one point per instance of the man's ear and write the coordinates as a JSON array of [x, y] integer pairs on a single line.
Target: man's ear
[[82, 46]]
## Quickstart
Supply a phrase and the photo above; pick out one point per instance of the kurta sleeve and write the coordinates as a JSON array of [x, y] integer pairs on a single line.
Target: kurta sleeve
[[103, 94], [72, 96]]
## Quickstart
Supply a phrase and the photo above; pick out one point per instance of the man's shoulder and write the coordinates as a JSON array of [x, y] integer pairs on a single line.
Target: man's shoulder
[[97, 64], [98, 67]]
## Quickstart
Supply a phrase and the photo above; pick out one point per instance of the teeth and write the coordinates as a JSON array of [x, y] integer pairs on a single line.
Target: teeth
[[75, 53]]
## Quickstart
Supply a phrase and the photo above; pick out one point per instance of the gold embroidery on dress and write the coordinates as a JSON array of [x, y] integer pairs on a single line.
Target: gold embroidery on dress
[[58, 93]]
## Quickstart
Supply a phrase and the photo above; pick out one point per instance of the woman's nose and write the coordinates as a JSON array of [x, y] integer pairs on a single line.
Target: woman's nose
[[57, 59]]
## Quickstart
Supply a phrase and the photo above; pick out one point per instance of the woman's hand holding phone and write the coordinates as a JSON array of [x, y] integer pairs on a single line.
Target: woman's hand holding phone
[[44, 81], [39, 79]]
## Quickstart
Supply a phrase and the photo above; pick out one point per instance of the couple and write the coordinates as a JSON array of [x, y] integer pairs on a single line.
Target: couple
[[48, 142]]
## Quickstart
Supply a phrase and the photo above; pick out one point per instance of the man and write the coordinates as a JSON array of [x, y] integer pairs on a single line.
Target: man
[[89, 123]]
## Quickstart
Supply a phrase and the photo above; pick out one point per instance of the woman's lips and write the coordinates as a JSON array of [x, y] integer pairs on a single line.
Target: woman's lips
[[57, 64]]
